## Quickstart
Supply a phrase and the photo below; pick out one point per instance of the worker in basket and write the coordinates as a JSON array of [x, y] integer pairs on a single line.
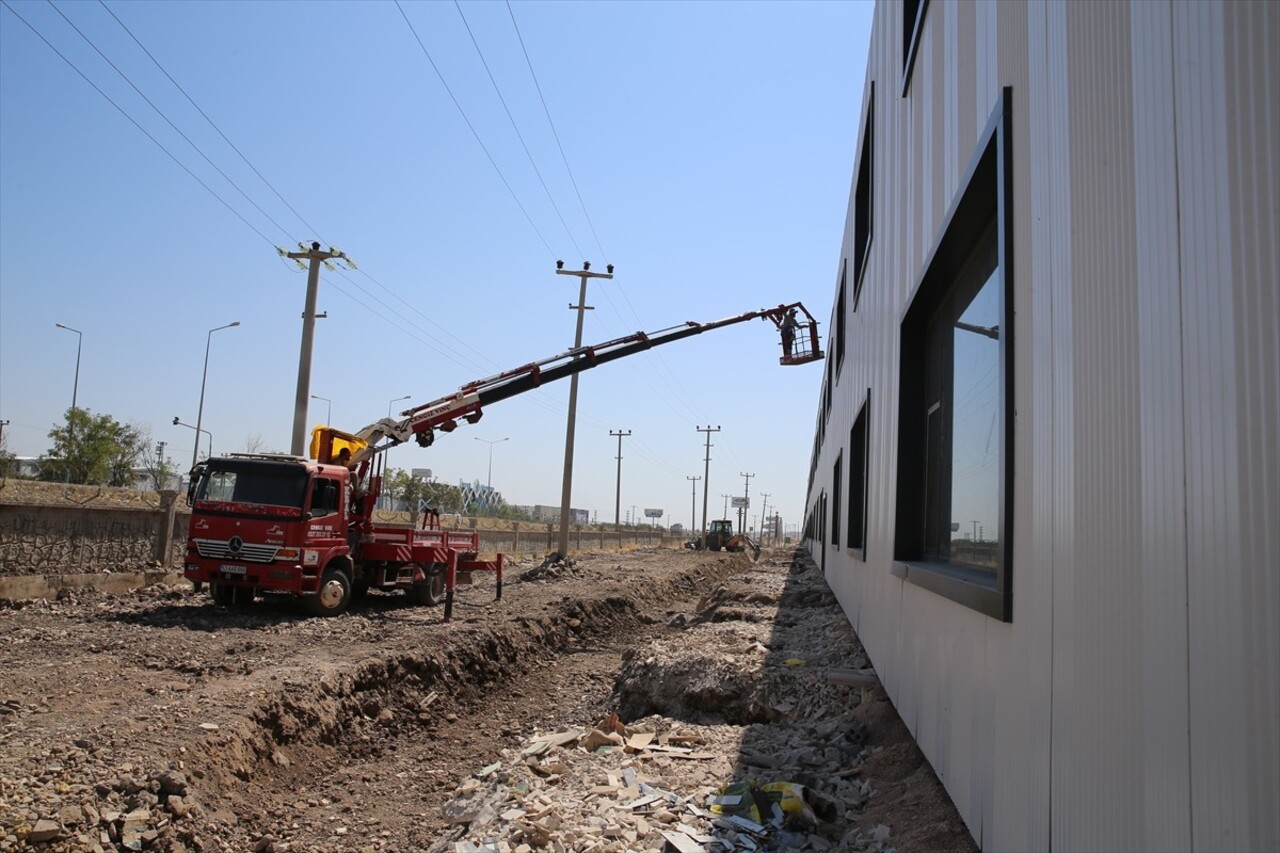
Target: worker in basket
[[789, 326]]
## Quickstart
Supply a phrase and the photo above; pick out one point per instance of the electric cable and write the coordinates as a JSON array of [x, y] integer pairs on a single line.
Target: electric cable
[[212, 124], [135, 123], [546, 110], [516, 128], [472, 128], [162, 115]]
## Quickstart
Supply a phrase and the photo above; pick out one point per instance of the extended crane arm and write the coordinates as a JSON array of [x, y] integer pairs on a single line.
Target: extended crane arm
[[800, 346]]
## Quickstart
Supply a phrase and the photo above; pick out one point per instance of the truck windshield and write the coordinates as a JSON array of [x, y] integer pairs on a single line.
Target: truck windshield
[[269, 485]]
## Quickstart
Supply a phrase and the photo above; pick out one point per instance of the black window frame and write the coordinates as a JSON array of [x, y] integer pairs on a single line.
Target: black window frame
[[859, 463], [986, 197], [913, 13], [840, 303], [836, 491], [863, 199]]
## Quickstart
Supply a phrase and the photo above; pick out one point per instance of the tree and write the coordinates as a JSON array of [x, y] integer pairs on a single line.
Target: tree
[[94, 449], [401, 486], [161, 470], [7, 460]]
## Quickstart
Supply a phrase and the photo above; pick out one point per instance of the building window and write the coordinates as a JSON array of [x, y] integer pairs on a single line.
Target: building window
[[826, 388], [955, 441], [835, 503], [844, 266], [912, 23], [862, 198], [858, 449]]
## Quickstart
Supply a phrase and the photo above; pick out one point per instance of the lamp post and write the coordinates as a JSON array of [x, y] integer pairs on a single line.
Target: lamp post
[[328, 412], [178, 422], [491, 443], [208, 339], [75, 388], [386, 453]]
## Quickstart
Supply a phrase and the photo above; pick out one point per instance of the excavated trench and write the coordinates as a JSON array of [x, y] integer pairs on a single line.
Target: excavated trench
[[297, 736]]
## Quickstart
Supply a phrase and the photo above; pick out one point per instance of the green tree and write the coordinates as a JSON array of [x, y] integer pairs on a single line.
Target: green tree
[[7, 460], [402, 487], [92, 449], [161, 471]]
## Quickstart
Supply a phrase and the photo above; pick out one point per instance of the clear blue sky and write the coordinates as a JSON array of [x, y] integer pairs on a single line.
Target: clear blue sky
[[712, 143]]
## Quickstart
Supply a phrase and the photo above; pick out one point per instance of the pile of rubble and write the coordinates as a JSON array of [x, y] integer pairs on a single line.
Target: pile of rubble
[[743, 736], [657, 784]]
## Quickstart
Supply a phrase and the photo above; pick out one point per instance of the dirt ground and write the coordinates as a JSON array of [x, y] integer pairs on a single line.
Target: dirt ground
[[157, 721]]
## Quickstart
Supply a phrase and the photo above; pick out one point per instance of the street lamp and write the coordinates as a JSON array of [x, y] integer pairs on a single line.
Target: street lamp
[[491, 444], [79, 340], [396, 400], [386, 453], [177, 422], [75, 388], [195, 451], [328, 415]]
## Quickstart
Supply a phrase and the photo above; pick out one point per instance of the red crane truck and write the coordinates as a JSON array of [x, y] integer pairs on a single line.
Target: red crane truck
[[270, 523]]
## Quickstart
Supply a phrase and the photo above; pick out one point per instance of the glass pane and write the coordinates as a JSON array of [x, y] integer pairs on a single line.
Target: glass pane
[[975, 436]]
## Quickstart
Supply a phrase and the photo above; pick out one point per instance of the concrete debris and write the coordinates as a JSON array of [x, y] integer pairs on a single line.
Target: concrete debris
[[705, 754]]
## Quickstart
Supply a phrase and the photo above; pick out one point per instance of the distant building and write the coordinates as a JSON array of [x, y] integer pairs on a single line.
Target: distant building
[[546, 513], [477, 495]]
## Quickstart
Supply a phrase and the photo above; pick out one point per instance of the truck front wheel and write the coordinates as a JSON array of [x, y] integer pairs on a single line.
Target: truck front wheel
[[333, 596], [430, 591]]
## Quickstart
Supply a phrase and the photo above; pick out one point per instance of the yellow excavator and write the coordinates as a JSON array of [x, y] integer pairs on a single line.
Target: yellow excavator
[[720, 536]]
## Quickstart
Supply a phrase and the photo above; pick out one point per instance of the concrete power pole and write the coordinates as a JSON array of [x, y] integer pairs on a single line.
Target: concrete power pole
[[562, 546], [617, 501], [315, 257], [706, 479], [763, 506], [746, 495], [693, 503]]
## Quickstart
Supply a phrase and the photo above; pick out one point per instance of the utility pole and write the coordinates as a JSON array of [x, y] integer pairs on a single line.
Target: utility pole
[[562, 547], [693, 503], [746, 495], [3, 424], [763, 507], [706, 479], [315, 258], [617, 501], [726, 503]]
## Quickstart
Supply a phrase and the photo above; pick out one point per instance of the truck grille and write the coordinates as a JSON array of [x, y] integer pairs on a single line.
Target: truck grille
[[219, 549]]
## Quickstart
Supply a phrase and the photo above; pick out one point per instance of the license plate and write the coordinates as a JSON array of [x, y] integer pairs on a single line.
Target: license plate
[[233, 570]]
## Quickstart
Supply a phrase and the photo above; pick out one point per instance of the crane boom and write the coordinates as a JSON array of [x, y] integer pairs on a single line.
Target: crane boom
[[800, 344]]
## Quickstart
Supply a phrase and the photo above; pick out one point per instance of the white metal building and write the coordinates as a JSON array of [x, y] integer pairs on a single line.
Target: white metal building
[[1046, 471]]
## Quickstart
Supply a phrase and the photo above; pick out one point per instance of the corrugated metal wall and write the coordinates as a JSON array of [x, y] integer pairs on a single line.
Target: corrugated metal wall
[[1133, 703]]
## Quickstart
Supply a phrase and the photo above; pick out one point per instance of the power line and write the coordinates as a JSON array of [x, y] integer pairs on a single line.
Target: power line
[[162, 115], [135, 123], [191, 100], [514, 127], [472, 128], [545, 109]]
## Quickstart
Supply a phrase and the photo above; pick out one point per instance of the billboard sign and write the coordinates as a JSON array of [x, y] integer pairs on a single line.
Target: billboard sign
[[653, 513], [741, 503]]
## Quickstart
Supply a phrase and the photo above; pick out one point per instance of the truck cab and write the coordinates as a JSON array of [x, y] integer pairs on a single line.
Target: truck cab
[[265, 522]]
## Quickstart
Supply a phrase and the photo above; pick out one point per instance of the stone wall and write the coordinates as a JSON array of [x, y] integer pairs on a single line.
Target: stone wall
[[70, 537], [43, 538]]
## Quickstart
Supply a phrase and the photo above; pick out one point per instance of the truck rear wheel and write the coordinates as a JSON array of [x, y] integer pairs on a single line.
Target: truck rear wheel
[[429, 591], [333, 596]]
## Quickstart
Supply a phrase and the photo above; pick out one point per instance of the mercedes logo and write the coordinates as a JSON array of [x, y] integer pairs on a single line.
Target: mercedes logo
[[234, 544]]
